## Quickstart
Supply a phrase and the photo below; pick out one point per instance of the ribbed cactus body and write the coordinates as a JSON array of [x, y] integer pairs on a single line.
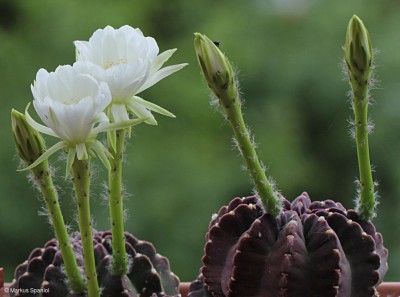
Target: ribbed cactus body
[[311, 249], [149, 273]]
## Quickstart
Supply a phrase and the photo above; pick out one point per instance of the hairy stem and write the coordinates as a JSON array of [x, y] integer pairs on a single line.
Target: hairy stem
[[220, 77], [231, 103], [43, 178], [359, 56], [120, 260], [81, 180], [367, 192]]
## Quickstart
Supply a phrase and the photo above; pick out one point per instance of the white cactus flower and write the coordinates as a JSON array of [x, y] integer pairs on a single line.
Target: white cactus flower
[[71, 105], [129, 63]]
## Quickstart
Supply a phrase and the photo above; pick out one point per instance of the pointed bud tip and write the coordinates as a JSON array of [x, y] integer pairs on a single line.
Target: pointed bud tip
[[355, 18], [215, 66], [14, 112], [197, 35], [15, 115], [356, 26], [358, 49]]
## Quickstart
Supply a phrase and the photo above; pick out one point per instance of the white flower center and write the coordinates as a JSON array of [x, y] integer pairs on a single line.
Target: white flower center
[[109, 64], [70, 101]]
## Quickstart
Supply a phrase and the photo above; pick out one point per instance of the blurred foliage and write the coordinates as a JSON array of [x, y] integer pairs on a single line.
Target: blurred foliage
[[288, 54]]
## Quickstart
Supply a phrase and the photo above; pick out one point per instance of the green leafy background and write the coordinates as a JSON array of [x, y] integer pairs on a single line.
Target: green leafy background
[[288, 54]]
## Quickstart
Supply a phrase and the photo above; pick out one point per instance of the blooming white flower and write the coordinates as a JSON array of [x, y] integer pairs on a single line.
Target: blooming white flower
[[71, 105], [129, 63]]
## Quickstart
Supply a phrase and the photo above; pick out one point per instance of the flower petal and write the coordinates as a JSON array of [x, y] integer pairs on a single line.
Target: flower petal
[[81, 151], [70, 161], [121, 125], [161, 59], [161, 74], [102, 153], [35, 125], [141, 112], [153, 107], [112, 139], [119, 113], [55, 148]]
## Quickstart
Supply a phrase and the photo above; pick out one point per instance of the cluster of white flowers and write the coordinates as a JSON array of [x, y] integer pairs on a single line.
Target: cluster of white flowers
[[99, 91]]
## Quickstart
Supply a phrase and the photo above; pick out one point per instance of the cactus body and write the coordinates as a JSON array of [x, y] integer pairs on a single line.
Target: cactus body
[[311, 249], [149, 273]]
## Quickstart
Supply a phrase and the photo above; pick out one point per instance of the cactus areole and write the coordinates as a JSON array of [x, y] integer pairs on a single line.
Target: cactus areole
[[149, 273], [311, 249]]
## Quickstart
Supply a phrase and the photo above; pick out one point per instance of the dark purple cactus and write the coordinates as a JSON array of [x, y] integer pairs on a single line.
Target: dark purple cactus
[[311, 249], [198, 289], [149, 274]]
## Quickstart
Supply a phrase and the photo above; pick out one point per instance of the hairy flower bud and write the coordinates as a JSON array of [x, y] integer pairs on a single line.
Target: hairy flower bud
[[358, 50], [215, 66], [30, 144]]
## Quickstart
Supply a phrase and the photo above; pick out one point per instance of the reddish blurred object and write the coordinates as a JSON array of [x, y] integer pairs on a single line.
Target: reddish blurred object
[[1, 277], [389, 289], [184, 289]]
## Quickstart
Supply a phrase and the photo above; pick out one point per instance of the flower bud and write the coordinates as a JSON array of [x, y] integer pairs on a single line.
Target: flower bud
[[30, 144], [215, 66], [358, 50]]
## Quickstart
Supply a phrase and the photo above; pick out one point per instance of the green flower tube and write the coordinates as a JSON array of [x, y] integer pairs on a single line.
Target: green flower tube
[[81, 180], [120, 260]]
